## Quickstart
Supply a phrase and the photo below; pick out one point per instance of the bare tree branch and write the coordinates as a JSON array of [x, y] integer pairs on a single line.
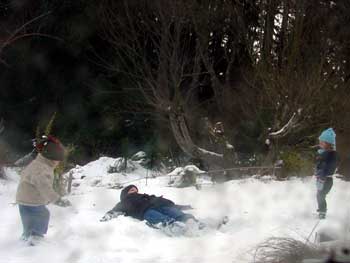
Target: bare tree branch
[[2, 127], [292, 123], [20, 33]]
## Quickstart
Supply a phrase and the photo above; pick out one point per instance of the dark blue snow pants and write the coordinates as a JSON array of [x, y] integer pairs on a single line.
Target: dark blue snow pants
[[35, 220], [166, 214], [323, 188]]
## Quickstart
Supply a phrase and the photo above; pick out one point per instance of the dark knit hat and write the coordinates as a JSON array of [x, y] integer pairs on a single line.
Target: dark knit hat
[[125, 191], [50, 147]]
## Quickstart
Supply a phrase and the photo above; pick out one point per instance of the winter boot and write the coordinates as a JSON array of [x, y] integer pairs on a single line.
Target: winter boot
[[24, 237], [224, 221], [34, 240], [194, 224], [175, 228], [322, 215]]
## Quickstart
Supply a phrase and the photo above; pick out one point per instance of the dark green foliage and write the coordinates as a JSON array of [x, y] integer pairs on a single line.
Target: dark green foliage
[[62, 73], [239, 68], [297, 163]]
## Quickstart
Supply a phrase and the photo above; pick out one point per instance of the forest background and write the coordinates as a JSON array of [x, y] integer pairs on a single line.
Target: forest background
[[183, 79]]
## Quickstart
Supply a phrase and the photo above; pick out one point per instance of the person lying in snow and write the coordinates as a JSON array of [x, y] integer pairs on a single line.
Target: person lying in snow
[[158, 211]]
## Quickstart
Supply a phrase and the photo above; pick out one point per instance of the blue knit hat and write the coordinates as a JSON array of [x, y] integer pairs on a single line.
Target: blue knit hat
[[328, 136]]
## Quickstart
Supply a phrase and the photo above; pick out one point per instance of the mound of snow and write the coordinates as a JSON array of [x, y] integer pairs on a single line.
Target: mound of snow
[[138, 156], [99, 173], [179, 171], [187, 176]]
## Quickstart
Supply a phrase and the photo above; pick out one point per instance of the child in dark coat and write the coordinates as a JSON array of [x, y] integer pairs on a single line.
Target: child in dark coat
[[158, 211], [326, 163]]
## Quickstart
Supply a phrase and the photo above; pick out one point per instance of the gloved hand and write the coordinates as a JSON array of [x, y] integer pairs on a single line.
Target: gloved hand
[[63, 202], [109, 215]]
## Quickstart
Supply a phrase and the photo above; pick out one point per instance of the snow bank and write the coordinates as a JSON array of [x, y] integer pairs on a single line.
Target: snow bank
[[179, 171], [100, 173], [257, 210]]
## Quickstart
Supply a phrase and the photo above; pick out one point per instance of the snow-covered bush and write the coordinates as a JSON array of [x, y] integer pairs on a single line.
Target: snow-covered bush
[[121, 165], [286, 250], [184, 176], [141, 158]]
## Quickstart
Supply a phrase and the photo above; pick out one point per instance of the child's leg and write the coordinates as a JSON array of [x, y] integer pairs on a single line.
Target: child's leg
[[26, 221], [41, 223], [321, 195], [175, 213], [35, 220], [326, 189], [154, 217], [321, 202]]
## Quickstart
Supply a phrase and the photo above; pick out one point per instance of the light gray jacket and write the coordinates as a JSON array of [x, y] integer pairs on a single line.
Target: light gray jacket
[[36, 183]]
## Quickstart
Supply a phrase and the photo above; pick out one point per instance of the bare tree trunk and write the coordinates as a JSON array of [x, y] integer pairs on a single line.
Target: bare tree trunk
[[269, 30], [2, 173], [282, 36], [168, 77], [70, 180], [343, 149], [184, 140]]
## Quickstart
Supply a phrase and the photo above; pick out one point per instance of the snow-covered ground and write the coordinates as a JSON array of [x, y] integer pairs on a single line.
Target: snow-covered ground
[[257, 209]]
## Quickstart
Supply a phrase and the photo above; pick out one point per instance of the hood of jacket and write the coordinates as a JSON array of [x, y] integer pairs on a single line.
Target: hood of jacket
[[125, 191]]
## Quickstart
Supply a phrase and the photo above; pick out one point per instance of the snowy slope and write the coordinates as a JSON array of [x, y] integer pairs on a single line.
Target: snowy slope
[[257, 210]]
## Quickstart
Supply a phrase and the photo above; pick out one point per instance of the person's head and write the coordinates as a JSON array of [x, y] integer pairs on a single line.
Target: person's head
[[327, 139], [130, 189], [51, 148]]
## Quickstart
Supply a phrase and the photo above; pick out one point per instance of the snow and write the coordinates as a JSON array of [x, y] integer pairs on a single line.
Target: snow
[[229, 146], [139, 155], [179, 171], [257, 209], [97, 173]]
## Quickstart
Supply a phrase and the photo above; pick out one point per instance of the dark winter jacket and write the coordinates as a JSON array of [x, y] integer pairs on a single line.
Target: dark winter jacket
[[135, 204], [326, 163]]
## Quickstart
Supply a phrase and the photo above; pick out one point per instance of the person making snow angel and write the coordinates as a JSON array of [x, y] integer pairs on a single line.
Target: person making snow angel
[[326, 162], [35, 189], [158, 212]]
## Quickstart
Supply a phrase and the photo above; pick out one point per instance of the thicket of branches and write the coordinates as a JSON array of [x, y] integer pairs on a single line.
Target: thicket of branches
[[161, 74], [287, 250], [261, 62]]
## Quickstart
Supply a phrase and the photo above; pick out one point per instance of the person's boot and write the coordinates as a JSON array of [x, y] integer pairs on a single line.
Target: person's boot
[[170, 228], [195, 224], [177, 228], [24, 237], [34, 240], [322, 215]]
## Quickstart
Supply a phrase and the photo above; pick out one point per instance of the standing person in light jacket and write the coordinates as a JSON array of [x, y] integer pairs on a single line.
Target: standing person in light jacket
[[326, 164], [35, 189]]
